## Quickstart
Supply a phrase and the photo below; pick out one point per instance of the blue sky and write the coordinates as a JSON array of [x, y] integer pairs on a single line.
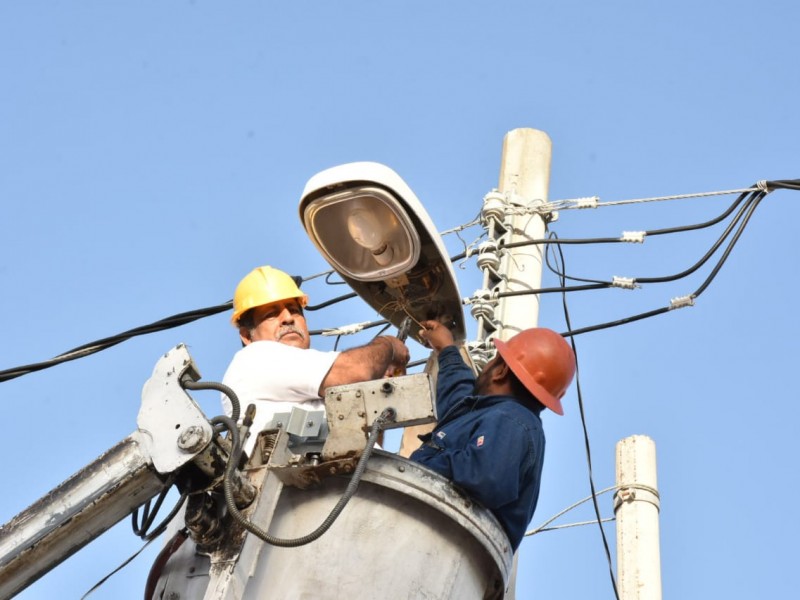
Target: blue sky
[[152, 154]]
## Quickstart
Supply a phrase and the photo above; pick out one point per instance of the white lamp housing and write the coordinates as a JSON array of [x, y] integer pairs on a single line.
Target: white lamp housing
[[371, 228]]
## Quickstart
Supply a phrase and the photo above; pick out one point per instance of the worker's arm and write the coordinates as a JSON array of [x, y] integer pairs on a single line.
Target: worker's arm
[[372, 361]]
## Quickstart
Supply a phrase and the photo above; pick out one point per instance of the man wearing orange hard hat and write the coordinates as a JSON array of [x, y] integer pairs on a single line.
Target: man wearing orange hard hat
[[489, 438], [276, 369]]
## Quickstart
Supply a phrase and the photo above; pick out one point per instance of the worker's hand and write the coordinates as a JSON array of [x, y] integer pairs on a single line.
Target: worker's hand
[[436, 335], [400, 356]]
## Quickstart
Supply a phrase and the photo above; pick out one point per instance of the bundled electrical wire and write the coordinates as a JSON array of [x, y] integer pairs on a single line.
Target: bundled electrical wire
[[746, 204], [103, 344]]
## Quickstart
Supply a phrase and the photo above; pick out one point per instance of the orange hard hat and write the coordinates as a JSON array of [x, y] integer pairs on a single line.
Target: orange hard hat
[[543, 362]]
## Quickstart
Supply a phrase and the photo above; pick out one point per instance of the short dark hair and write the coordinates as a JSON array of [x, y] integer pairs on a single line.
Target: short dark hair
[[246, 320]]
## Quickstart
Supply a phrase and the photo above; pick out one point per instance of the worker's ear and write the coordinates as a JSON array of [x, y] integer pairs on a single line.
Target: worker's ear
[[244, 334], [501, 372]]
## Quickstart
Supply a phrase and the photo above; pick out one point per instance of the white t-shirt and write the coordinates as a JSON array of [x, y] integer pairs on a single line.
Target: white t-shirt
[[275, 377]]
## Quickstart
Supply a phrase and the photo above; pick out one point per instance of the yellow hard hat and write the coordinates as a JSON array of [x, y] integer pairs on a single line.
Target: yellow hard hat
[[264, 285]]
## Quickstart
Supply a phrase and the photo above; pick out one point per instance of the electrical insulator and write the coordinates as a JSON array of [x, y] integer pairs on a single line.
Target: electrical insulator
[[494, 207], [480, 353], [487, 256], [483, 306]]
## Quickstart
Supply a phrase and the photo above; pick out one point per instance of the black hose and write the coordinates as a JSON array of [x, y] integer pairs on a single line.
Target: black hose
[[387, 415], [220, 387]]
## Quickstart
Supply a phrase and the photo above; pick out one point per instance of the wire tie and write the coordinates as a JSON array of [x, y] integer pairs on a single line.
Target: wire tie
[[762, 185], [681, 302], [635, 237]]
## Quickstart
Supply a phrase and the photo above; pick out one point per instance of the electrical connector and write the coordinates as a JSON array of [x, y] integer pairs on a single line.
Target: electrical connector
[[681, 302], [636, 237], [346, 329], [627, 283], [590, 202]]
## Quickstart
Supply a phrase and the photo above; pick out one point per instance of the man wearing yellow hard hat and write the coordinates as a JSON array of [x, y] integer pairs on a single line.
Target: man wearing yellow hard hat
[[277, 369]]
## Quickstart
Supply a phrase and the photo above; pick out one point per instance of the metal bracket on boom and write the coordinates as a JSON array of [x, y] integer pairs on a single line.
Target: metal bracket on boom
[[351, 411], [352, 408], [173, 427]]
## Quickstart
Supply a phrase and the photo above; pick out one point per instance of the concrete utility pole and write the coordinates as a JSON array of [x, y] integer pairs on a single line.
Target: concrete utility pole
[[636, 505], [524, 183]]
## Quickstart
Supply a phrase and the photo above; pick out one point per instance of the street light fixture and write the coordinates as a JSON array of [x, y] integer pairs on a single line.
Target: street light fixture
[[371, 228]]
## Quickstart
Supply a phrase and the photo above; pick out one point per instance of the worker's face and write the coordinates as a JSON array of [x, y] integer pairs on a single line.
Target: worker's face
[[483, 382], [281, 321]]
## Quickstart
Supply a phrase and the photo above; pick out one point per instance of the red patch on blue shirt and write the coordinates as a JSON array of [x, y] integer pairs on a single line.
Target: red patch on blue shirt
[[480, 441]]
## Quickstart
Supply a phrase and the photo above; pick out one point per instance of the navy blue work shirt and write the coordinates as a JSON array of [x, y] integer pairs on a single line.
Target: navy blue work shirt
[[490, 446]]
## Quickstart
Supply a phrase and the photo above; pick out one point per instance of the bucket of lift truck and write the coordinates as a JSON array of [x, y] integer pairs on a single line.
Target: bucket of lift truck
[[406, 533]]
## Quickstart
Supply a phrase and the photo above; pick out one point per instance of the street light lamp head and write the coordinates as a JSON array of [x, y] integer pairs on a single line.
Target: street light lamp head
[[363, 232], [371, 228]]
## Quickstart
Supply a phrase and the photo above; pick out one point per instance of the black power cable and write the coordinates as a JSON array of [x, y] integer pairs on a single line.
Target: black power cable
[[161, 325], [745, 209], [748, 209], [331, 301], [586, 440], [555, 240], [187, 317], [105, 343]]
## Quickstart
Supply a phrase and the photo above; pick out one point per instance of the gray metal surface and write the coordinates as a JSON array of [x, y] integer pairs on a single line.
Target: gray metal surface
[[407, 533], [352, 409]]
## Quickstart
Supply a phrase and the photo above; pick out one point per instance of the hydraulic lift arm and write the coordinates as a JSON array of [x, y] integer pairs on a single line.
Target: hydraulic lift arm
[[172, 432]]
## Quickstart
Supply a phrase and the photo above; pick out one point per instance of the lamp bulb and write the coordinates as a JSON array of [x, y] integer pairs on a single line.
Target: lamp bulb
[[366, 231]]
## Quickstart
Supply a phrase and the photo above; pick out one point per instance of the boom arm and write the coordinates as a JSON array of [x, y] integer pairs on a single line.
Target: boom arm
[[172, 431], [75, 513]]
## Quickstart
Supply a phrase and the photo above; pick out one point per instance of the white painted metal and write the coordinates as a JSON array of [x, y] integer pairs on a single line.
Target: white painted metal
[[168, 413], [636, 505]]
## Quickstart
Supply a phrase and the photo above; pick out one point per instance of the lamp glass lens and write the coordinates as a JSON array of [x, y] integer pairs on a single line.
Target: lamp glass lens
[[363, 232]]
